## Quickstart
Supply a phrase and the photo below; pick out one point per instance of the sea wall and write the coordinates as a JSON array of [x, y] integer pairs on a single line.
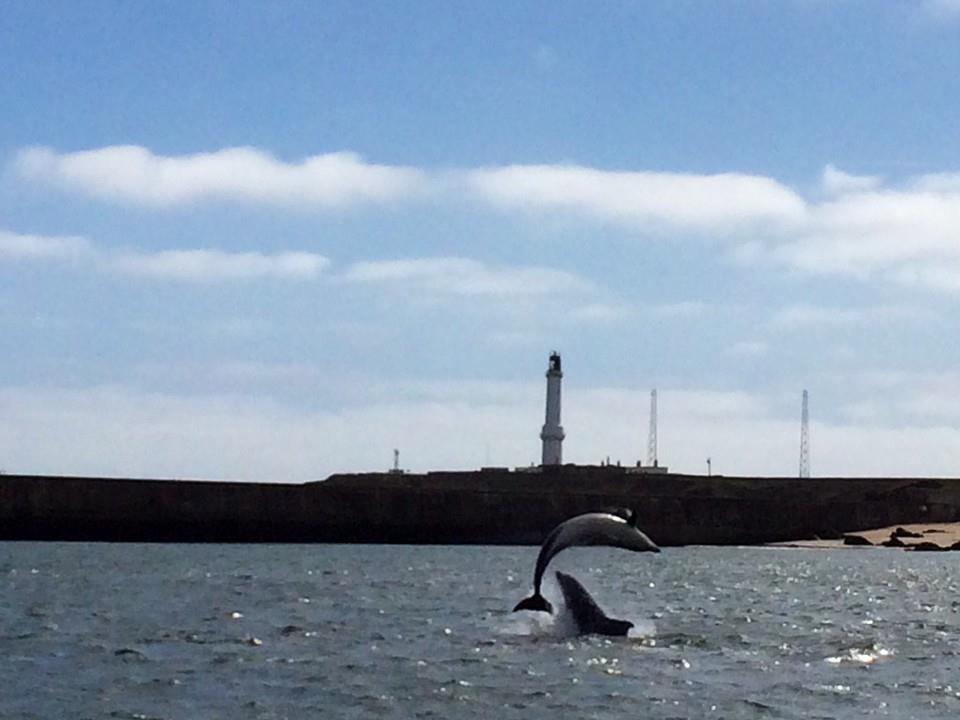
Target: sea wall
[[489, 507], [522, 507]]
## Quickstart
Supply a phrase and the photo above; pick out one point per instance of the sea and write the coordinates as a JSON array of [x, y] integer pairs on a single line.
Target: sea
[[142, 631]]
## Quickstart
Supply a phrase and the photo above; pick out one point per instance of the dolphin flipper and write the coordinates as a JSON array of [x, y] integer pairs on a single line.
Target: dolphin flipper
[[628, 514]]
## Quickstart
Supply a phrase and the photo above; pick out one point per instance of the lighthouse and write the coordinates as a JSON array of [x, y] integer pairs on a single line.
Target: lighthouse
[[552, 433]]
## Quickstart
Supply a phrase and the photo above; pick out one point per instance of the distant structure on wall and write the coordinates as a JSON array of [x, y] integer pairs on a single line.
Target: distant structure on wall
[[552, 433], [652, 460], [395, 470], [805, 438]]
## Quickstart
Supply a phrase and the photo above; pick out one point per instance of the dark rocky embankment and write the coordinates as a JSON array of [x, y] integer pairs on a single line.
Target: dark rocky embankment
[[488, 507]]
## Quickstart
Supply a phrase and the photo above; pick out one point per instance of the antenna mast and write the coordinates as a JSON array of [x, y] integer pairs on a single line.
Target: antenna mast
[[805, 438], [652, 439]]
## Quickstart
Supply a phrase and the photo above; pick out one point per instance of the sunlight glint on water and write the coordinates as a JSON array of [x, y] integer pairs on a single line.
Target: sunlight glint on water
[[211, 631]]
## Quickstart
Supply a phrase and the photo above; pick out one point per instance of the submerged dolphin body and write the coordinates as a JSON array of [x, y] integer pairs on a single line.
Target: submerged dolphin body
[[597, 528], [587, 615]]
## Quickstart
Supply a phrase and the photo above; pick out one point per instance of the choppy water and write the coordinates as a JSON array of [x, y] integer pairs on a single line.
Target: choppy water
[[208, 631]]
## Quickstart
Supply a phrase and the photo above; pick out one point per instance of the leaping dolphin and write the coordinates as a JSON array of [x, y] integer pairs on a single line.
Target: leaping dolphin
[[587, 615], [596, 528]]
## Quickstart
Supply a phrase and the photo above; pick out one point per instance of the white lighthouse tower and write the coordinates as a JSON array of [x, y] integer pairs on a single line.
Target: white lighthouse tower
[[552, 433]]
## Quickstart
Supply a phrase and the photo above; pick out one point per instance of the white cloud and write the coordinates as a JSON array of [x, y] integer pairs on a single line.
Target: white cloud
[[38, 247], [456, 425], [744, 435], [713, 404], [907, 236], [943, 8], [122, 431], [237, 373], [600, 313], [514, 339], [130, 173], [180, 265], [795, 316], [471, 391], [895, 398], [748, 348], [801, 315], [837, 182], [609, 312], [134, 174], [946, 278], [216, 265], [866, 227], [463, 276], [682, 309], [445, 275], [710, 203], [936, 183]]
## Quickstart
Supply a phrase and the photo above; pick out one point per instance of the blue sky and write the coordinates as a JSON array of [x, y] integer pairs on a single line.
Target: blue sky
[[276, 240]]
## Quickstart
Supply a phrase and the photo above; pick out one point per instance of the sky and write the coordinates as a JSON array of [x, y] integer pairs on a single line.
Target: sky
[[274, 241]]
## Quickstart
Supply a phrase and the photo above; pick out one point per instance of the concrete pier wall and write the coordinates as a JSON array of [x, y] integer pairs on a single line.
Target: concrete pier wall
[[489, 507]]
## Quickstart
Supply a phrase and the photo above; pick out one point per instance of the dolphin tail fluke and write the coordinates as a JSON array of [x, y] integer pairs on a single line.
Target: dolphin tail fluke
[[535, 602]]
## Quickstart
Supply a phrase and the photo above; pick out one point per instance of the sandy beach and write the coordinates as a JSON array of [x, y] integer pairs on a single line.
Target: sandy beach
[[908, 537]]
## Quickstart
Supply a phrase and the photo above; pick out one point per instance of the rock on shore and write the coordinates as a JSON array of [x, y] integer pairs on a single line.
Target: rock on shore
[[921, 537]]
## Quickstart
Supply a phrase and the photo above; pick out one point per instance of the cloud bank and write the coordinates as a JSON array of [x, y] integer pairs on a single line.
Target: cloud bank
[[861, 226], [797, 316], [195, 265], [463, 276], [126, 431], [14, 246], [451, 276], [943, 8], [907, 236], [130, 173], [216, 265], [713, 203]]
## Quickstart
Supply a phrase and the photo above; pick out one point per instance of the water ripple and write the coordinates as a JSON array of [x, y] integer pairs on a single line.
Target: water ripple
[[261, 632]]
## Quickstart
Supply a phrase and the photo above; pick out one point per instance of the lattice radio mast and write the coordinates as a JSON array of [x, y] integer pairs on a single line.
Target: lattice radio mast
[[805, 438], [652, 439]]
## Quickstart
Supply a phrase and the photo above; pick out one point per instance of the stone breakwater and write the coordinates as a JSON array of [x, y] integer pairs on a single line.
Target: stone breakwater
[[496, 506]]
